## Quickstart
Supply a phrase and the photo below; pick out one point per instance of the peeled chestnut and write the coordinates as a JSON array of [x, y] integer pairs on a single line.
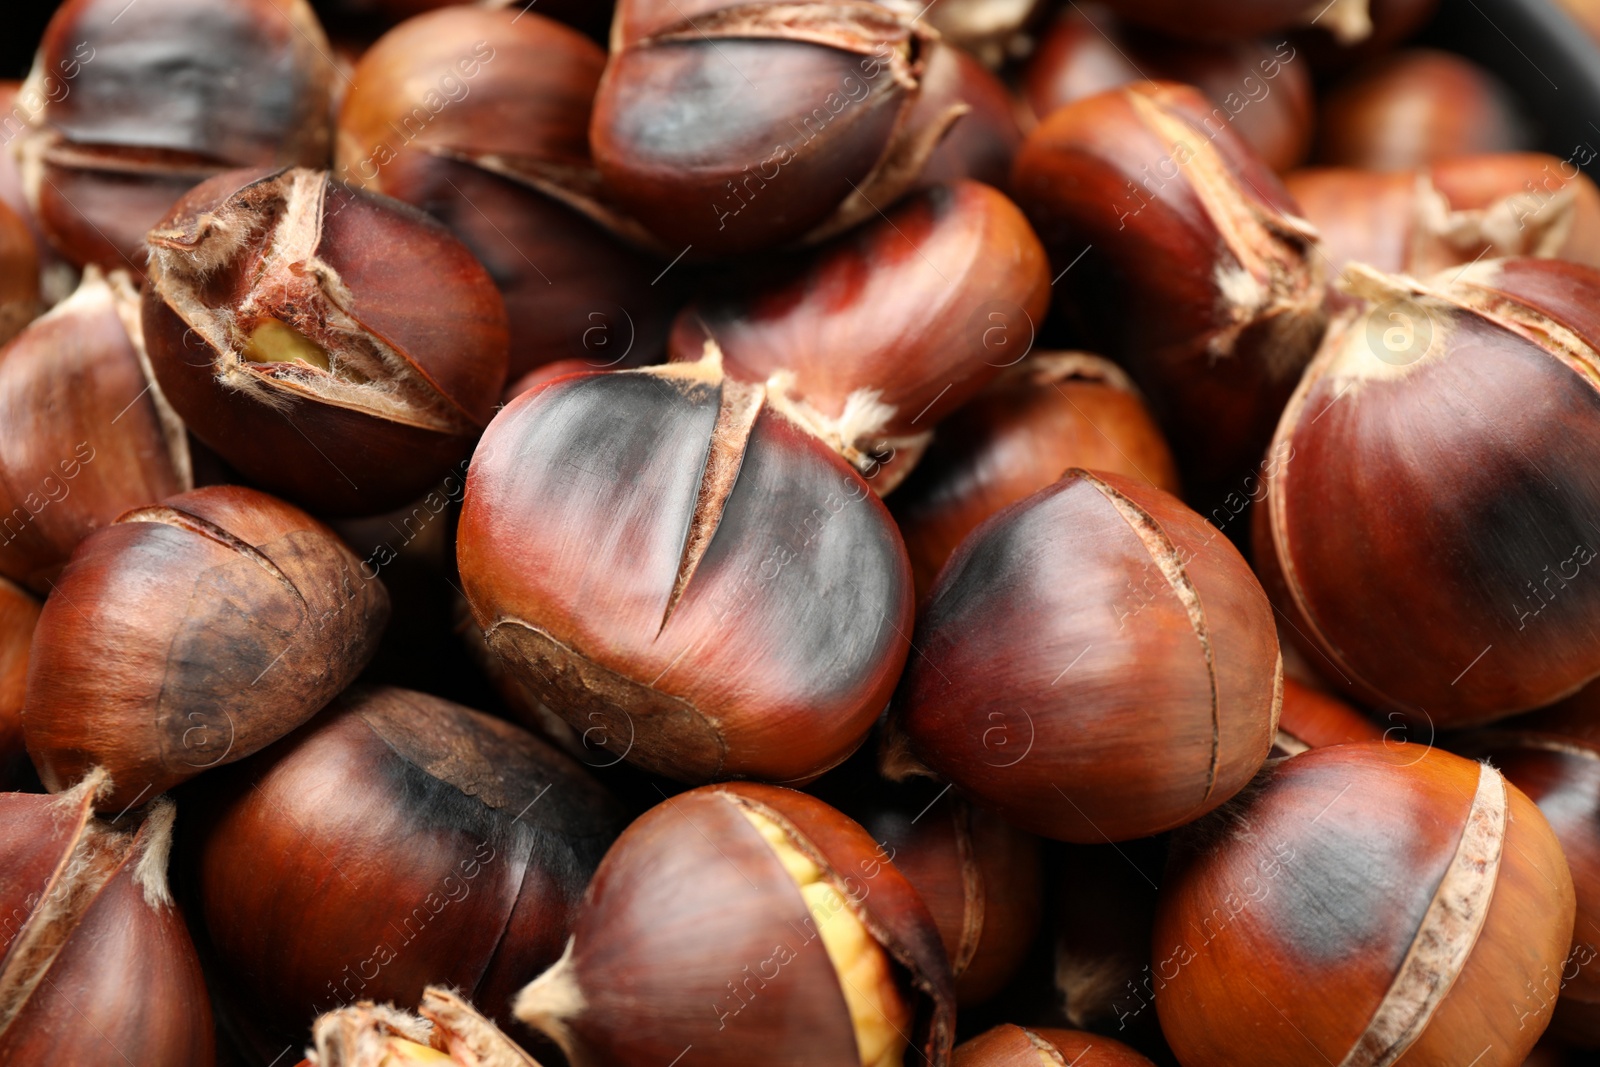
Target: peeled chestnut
[[1049, 412], [481, 118], [1362, 904], [446, 1030], [19, 274], [434, 844], [730, 127], [1452, 213], [89, 434], [96, 965], [1313, 719], [679, 569], [880, 335], [1016, 1046], [19, 614], [334, 346], [144, 100], [189, 634], [1095, 662], [746, 923], [1350, 21], [1452, 426], [1262, 88], [1146, 198], [1416, 107], [979, 876]]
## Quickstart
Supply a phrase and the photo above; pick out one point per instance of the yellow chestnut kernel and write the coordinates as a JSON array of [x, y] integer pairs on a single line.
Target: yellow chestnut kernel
[[278, 342], [398, 1052]]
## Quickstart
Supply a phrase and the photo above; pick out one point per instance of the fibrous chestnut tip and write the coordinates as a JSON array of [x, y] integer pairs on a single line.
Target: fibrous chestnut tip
[[552, 1000], [248, 274], [445, 1030]]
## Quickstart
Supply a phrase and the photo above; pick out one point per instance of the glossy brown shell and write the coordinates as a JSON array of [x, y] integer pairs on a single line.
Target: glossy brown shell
[[1009, 1045]]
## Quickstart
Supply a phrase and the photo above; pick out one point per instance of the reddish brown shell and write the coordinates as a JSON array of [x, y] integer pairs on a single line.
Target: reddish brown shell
[[1008, 1045]]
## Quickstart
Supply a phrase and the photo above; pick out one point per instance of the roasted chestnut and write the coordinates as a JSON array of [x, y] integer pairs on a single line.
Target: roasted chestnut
[[1413, 108], [1009, 1045], [189, 634], [1350, 21], [88, 433], [481, 118], [1049, 412], [1262, 88], [96, 965], [1313, 719], [1365, 903], [746, 923], [1069, 636], [19, 614], [730, 127], [334, 346], [671, 564], [883, 333], [1452, 213], [1146, 198], [446, 1030], [435, 845], [143, 101], [1452, 426], [19, 274]]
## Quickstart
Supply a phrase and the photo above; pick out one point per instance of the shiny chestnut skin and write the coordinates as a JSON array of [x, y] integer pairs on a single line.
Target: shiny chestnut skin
[[592, 18], [722, 596], [432, 844], [1168, 208], [1413, 108], [982, 143], [673, 950], [1049, 412], [96, 964], [881, 334], [1451, 425], [89, 435], [1036, 692], [1374, 903], [731, 127], [1009, 1045], [19, 274], [1314, 719], [143, 102], [334, 346], [19, 614], [481, 118], [1264, 87], [189, 634], [1452, 213], [1350, 21]]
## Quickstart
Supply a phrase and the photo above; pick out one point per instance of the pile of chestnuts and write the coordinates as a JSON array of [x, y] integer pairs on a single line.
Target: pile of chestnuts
[[811, 533]]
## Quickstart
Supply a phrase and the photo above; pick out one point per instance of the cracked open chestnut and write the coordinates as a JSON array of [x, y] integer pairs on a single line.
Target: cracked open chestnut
[[1362, 904], [89, 433], [1146, 199], [1452, 425], [481, 118], [334, 346], [440, 846], [1068, 631], [447, 1030], [1049, 412], [189, 634], [880, 335], [747, 923], [142, 101], [96, 964], [722, 595]]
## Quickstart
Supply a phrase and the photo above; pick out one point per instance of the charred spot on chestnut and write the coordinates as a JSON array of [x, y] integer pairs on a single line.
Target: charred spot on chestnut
[[189, 634], [692, 147], [1368, 903], [335, 346], [439, 845], [89, 433], [141, 101], [96, 965], [1147, 199], [755, 921], [1451, 426], [684, 574], [1016, 1046], [886, 331], [1068, 634]]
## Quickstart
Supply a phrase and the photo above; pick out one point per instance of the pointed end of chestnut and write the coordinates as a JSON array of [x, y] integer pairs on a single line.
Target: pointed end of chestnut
[[551, 1001], [897, 761]]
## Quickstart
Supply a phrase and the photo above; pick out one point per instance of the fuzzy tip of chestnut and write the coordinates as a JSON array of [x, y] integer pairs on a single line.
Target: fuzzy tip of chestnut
[[445, 1030]]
